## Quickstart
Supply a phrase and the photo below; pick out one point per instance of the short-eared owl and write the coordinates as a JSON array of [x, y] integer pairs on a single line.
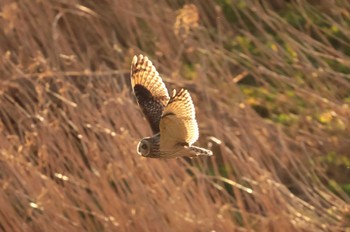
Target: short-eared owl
[[172, 119]]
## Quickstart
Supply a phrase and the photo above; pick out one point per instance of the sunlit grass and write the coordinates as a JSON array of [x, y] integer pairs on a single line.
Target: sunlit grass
[[271, 89]]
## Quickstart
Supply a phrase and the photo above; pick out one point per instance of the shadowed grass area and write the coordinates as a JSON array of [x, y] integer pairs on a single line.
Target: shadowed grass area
[[271, 87]]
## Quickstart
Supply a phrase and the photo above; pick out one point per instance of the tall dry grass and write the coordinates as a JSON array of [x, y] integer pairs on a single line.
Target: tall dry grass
[[70, 125]]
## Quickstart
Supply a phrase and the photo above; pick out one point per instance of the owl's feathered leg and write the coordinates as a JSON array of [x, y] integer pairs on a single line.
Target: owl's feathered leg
[[198, 151], [184, 151]]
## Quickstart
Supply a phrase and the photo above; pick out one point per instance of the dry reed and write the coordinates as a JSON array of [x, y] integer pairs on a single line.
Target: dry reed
[[70, 124]]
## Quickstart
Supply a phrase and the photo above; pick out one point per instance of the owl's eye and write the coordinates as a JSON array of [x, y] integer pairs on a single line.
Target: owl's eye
[[144, 146]]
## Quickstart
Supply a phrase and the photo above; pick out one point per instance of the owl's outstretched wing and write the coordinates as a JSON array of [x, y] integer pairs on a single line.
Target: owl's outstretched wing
[[149, 89], [178, 125]]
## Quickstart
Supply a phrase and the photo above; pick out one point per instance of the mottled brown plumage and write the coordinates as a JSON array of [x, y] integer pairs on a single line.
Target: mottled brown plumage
[[172, 120], [150, 91]]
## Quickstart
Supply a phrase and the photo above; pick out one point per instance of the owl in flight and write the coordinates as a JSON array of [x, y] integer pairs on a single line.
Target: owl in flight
[[172, 118]]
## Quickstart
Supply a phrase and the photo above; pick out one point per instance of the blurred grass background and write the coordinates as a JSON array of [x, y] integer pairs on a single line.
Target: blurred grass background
[[271, 85]]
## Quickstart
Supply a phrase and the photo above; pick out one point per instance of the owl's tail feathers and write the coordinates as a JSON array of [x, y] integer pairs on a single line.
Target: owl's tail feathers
[[199, 151]]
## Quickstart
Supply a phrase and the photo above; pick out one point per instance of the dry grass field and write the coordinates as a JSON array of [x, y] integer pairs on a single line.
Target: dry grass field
[[271, 85]]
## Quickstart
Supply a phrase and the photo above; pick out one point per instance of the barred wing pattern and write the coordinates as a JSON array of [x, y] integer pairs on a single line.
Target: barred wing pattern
[[178, 125], [149, 89]]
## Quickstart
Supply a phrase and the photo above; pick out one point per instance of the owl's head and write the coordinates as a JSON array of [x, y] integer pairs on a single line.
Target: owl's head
[[144, 147], [149, 146]]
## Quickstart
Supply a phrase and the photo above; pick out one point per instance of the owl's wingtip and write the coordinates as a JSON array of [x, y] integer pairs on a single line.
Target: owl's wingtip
[[134, 60], [140, 60], [173, 93]]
